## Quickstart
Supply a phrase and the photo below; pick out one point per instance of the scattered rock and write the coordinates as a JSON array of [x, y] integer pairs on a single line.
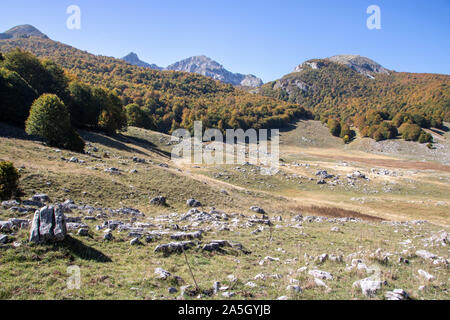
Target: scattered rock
[[258, 210], [108, 236], [162, 274], [135, 242], [172, 290], [4, 239], [83, 232], [397, 294], [294, 288], [193, 203], [321, 274], [160, 201], [425, 275], [368, 286], [228, 294], [40, 198], [425, 255], [174, 247]]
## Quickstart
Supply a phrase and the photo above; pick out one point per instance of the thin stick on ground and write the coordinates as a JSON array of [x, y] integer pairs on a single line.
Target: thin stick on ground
[[190, 270]]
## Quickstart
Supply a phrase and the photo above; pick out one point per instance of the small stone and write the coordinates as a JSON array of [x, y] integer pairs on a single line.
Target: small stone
[[426, 275], [321, 274], [3, 239], [228, 294], [108, 236], [258, 210], [294, 288], [162, 274], [193, 203], [173, 290], [425, 255], [397, 294], [135, 242], [83, 232]]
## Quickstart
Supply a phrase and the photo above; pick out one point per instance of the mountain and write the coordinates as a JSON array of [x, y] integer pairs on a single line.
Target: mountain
[[210, 68], [132, 58], [171, 99], [345, 85], [22, 31]]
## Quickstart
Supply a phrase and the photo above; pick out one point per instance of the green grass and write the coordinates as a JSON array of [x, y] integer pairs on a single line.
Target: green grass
[[116, 270]]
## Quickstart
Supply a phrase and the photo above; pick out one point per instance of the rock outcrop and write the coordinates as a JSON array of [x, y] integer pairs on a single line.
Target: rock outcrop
[[49, 225]]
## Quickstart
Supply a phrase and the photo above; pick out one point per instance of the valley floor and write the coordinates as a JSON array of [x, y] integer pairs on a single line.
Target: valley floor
[[343, 221]]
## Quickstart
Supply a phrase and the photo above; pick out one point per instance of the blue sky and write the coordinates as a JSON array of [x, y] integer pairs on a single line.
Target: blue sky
[[265, 38]]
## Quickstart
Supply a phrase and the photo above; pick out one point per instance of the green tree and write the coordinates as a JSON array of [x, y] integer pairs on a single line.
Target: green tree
[[112, 117], [16, 97], [50, 120], [44, 76]]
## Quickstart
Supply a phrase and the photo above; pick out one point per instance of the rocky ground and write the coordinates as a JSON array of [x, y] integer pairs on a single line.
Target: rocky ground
[[138, 225]]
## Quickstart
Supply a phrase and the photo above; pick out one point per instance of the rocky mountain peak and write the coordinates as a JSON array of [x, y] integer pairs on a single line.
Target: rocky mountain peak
[[206, 66], [360, 64], [357, 63]]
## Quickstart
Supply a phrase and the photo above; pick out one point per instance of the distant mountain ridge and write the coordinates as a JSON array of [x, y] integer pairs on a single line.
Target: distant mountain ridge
[[201, 65], [22, 31], [210, 68], [132, 58]]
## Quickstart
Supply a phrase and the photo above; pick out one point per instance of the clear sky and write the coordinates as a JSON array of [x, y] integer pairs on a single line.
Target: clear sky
[[265, 38]]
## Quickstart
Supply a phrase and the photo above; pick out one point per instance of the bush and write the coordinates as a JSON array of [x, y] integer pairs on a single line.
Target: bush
[[335, 127], [50, 120], [410, 132], [9, 180], [425, 137]]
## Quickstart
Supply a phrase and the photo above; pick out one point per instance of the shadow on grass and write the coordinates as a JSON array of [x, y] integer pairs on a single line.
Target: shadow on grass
[[440, 131], [82, 251], [120, 142]]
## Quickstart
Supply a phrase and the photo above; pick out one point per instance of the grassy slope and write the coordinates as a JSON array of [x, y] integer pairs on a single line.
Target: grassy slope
[[38, 272]]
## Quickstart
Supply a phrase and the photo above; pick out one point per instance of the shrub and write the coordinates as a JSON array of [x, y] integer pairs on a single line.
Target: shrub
[[410, 132], [335, 127], [425, 137], [9, 180], [50, 120]]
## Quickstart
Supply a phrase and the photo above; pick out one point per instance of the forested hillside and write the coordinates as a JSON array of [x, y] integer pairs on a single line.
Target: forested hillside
[[164, 100], [336, 91]]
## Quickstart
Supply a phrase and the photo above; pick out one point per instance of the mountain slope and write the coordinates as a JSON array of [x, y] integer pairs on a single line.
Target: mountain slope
[[132, 58], [343, 86], [210, 68]]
